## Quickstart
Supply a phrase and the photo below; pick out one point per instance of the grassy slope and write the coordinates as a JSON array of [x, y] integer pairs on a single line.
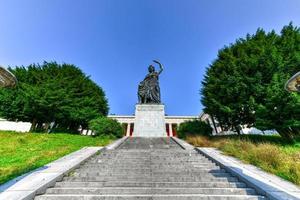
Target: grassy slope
[[22, 152], [267, 152]]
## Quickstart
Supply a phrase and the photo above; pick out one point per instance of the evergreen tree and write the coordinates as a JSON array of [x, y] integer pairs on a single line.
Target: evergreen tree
[[53, 93], [245, 83], [235, 81], [281, 110]]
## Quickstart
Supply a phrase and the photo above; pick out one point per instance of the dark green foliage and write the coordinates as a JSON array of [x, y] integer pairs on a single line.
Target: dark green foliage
[[245, 84], [195, 127], [281, 109], [105, 126], [60, 95]]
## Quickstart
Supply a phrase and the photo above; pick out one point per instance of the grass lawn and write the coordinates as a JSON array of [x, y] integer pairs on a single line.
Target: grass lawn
[[22, 152], [270, 153]]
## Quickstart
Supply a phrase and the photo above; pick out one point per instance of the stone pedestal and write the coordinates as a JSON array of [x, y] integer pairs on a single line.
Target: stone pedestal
[[149, 121]]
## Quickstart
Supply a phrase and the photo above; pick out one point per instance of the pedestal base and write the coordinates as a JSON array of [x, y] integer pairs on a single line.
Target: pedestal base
[[149, 121]]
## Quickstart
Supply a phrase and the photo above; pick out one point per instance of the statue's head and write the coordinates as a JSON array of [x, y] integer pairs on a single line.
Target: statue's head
[[151, 68]]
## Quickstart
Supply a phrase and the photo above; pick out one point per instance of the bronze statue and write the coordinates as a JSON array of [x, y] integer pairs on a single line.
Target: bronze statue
[[149, 90]]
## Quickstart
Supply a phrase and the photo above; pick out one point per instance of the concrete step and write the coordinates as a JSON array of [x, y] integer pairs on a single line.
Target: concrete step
[[137, 169], [142, 155], [175, 167], [151, 158], [143, 179], [158, 171], [157, 165], [147, 161], [149, 197], [151, 174], [100, 160], [152, 184], [147, 190], [145, 155], [134, 157], [150, 161], [154, 164], [149, 155]]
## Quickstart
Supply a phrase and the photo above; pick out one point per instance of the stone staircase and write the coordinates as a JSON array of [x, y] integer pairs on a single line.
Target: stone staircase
[[149, 168]]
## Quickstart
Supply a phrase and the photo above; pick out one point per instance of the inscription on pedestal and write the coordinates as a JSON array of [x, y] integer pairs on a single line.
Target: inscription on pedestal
[[149, 121]]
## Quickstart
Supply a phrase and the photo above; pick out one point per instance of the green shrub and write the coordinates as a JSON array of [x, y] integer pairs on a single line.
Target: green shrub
[[195, 127], [106, 126]]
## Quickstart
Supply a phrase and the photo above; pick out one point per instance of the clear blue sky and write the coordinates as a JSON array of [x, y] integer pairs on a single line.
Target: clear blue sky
[[114, 41]]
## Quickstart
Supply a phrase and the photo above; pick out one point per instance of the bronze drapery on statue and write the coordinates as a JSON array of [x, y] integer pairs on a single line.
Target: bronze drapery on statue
[[149, 90]]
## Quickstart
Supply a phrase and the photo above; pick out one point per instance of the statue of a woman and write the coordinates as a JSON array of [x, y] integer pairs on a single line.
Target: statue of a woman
[[149, 91]]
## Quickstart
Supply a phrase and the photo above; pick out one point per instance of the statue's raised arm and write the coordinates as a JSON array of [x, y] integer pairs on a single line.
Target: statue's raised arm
[[161, 67]]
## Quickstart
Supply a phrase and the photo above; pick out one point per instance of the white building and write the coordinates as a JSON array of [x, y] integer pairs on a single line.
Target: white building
[[172, 122], [14, 126]]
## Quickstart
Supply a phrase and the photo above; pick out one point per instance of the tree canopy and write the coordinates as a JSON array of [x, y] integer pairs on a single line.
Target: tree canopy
[[193, 128], [60, 95], [245, 84]]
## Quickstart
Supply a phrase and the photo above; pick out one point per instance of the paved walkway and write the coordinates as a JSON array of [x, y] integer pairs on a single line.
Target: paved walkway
[[149, 168]]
